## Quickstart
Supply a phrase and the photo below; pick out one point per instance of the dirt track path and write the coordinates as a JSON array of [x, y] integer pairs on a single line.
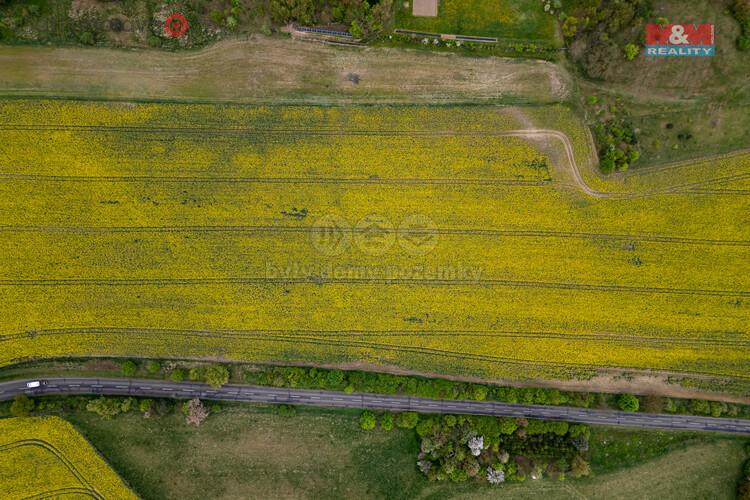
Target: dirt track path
[[573, 170]]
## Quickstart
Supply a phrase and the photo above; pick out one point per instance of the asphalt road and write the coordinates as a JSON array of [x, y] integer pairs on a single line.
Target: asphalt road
[[258, 394]]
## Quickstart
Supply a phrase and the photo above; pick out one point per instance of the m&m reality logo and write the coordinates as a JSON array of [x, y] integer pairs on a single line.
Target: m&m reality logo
[[680, 40]]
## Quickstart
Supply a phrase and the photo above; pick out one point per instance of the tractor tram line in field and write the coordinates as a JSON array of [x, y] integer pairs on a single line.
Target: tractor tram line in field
[[442, 231], [624, 337], [279, 180], [87, 488], [50, 282]]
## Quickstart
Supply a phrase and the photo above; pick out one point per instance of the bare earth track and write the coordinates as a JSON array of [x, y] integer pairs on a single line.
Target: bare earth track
[[265, 69]]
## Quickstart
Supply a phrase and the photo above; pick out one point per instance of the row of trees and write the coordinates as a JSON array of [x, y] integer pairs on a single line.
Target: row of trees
[[385, 383], [215, 375], [360, 16], [194, 410]]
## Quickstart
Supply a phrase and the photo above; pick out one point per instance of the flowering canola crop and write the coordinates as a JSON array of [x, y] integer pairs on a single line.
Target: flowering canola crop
[[422, 237], [47, 457]]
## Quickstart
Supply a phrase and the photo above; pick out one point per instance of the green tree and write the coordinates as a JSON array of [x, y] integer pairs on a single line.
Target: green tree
[[153, 366], [367, 420], [177, 375], [335, 378], [22, 406], [407, 420], [216, 375], [628, 402], [424, 427], [700, 407], [195, 374], [479, 392], [129, 368]]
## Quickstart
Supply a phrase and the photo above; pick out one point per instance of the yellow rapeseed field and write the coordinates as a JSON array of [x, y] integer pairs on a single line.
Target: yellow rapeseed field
[[47, 458], [430, 238]]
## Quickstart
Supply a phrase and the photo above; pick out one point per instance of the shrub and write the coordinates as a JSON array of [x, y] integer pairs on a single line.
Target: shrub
[[22, 406], [217, 17], [87, 38], [367, 420], [386, 421], [287, 410], [628, 402], [356, 30], [129, 368], [631, 51], [145, 405], [106, 408], [407, 420], [153, 366], [154, 41], [580, 467]]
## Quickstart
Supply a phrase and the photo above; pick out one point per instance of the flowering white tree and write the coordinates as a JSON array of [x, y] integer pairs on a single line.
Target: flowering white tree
[[476, 444], [495, 476]]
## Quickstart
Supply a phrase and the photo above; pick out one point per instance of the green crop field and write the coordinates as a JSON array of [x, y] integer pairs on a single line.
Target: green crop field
[[520, 20]]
